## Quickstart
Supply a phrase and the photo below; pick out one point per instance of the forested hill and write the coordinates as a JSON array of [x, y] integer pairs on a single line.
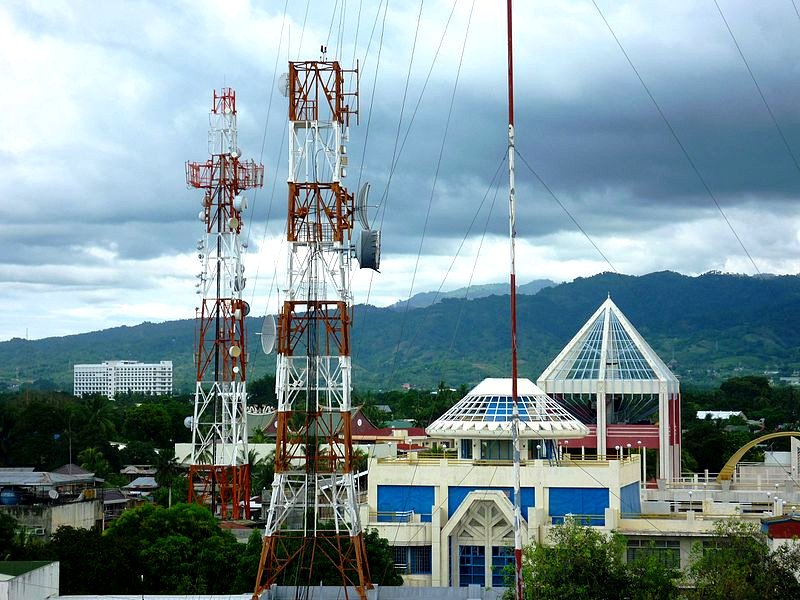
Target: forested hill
[[707, 327]]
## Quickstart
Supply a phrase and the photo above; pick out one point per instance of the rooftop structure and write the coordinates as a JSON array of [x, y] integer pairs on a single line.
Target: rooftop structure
[[486, 412], [612, 380], [721, 415], [113, 377]]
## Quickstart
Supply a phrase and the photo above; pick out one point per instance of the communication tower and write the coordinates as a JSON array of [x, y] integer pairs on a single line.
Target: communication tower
[[313, 513], [219, 473]]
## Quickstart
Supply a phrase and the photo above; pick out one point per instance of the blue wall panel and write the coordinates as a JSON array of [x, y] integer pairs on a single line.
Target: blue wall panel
[[404, 498], [630, 500], [456, 495], [587, 502]]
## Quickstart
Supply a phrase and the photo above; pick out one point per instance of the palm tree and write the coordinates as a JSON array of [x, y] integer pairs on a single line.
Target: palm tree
[[92, 460], [96, 411], [167, 471]]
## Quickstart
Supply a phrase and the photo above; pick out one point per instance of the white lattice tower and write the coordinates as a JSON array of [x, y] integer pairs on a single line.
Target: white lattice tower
[[219, 473], [314, 507]]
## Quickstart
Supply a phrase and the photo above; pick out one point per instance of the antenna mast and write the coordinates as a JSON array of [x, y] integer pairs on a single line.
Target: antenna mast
[[313, 513], [513, 235], [219, 473]]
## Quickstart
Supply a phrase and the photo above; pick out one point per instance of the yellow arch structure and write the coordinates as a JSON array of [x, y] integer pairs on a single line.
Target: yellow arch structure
[[727, 471]]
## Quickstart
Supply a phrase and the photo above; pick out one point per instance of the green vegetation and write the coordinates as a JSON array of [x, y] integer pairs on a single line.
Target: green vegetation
[[48, 429], [156, 550], [707, 444], [585, 564], [737, 565], [707, 328]]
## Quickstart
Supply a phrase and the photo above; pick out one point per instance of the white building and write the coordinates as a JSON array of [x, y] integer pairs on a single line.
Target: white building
[[120, 376], [610, 378]]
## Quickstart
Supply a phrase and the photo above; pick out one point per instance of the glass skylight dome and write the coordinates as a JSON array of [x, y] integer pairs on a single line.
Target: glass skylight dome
[[485, 412]]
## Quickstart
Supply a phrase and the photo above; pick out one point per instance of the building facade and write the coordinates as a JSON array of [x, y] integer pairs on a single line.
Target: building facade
[[610, 378], [113, 377]]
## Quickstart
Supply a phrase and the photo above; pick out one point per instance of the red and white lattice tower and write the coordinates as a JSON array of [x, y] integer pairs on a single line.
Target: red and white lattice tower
[[219, 474], [313, 514]]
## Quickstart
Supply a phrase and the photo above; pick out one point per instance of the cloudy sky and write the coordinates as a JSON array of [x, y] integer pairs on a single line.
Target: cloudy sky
[[103, 102]]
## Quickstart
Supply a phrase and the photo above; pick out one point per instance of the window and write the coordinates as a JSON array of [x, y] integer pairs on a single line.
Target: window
[[502, 556], [471, 563], [466, 449], [496, 450], [412, 560], [668, 552]]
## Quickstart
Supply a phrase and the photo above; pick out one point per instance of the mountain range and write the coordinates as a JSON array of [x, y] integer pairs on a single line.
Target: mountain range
[[424, 299], [705, 327]]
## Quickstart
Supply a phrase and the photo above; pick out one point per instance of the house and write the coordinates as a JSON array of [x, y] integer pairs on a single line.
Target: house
[[28, 580], [41, 502]]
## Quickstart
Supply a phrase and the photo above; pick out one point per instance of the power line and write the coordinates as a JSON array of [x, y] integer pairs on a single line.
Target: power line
[[403, 104], [436, 175], [675, 136], [385, 196], [566, 211], [758, 87]]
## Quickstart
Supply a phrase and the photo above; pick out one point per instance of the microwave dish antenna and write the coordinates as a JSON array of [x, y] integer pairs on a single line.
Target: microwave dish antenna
[[269, 332]]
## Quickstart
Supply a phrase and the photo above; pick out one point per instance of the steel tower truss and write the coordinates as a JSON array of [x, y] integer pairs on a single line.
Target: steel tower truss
[[219, 473], [313, 513]]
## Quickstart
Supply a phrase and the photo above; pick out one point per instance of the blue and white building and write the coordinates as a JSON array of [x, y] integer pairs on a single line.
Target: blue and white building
[[450, 519]]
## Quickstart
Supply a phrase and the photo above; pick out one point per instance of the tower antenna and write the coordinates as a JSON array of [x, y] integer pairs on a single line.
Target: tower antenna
[[313, 512], [513, 288], [220, 474]]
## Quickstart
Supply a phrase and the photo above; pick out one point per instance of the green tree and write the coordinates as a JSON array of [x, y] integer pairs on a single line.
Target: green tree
[[88, 562], [97, 417], [92, 460], [148, 423], [8, 536], [167, 471], [583, 563], [737, 564]]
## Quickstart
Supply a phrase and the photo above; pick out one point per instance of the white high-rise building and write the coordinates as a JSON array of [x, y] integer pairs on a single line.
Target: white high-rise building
[[120, 376]]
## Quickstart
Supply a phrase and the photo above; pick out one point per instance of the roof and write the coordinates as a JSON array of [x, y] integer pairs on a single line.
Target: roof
[[141, 483], [70, 469], [719, 414], [607, 348], [360, 425], [15, 477], [138, 470], [18, 567], [486, 411]]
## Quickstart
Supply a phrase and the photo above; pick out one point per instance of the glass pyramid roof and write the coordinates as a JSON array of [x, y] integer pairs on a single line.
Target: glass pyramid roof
[[608, 347], [486, 411]]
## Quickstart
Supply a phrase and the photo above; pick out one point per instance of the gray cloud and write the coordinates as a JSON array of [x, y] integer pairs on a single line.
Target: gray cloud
[[113, 99]]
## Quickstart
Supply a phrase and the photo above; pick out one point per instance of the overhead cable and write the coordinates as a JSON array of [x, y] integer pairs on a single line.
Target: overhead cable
[[758, 87], [675, 136]]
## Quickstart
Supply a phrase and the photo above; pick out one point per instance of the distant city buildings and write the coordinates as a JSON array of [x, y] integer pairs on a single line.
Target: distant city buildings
[[113, 377]]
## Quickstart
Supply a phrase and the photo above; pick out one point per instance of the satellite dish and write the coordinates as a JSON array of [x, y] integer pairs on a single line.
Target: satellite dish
[[188, 422], [235, 351], [53, 494], [361, 205], [368, 249], [201, 215], [283, 85], [245, 308], [240, 203], [233, 223], [268, 334]]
